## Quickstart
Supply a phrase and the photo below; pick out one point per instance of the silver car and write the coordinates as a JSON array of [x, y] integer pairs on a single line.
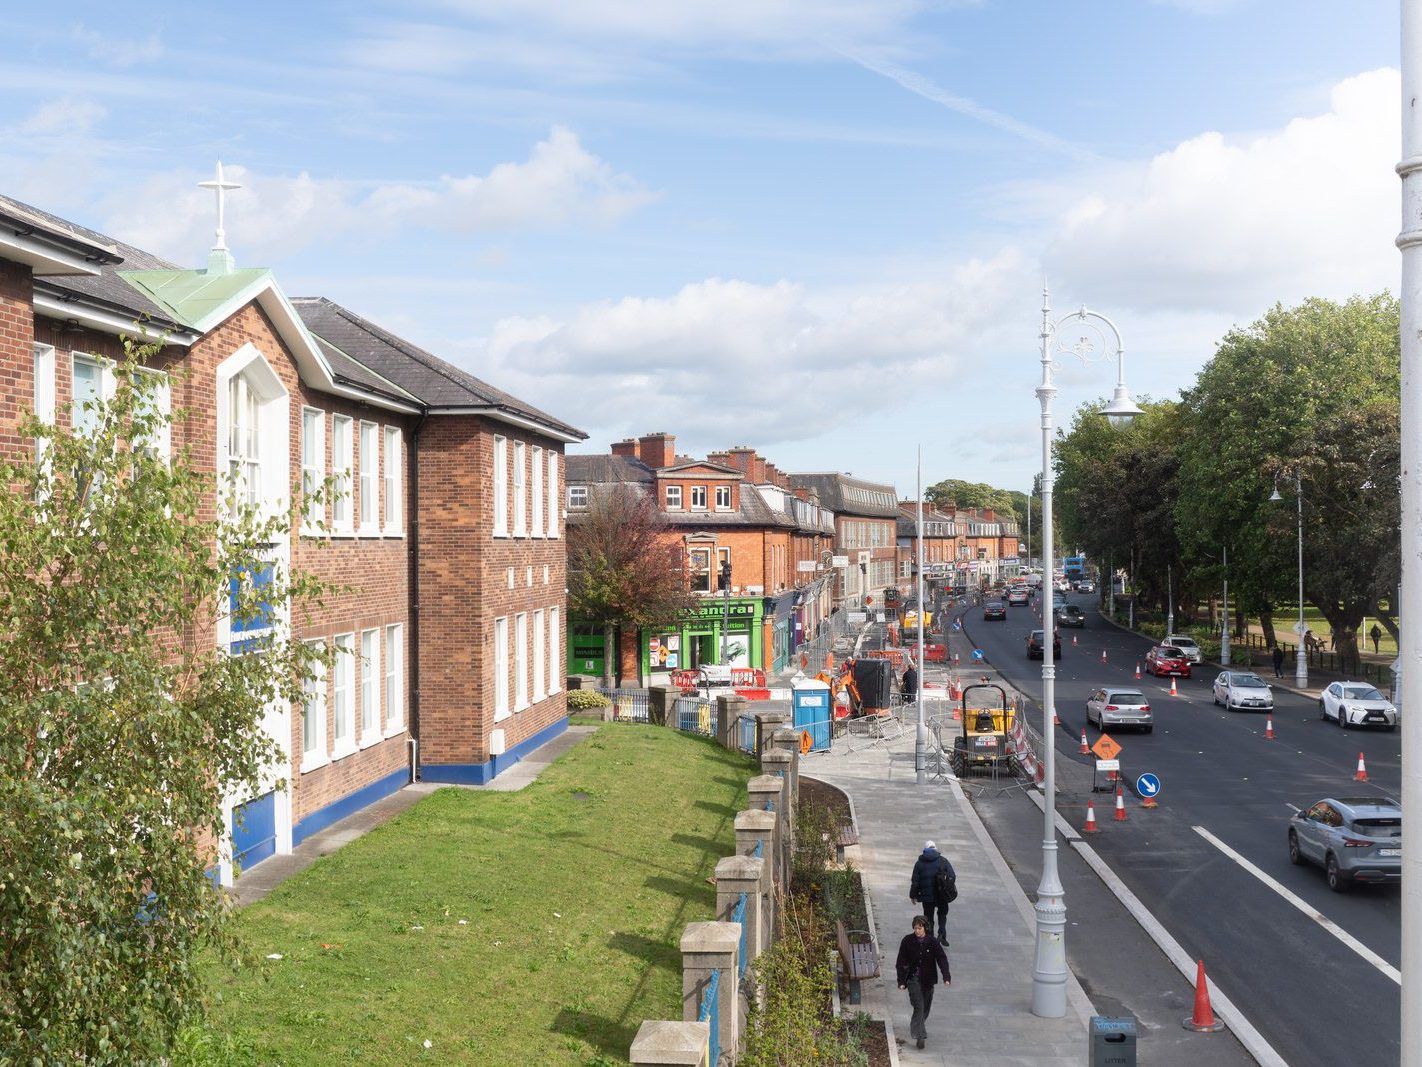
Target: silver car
[[1119, 706], [1186, 645], [1243, 691], [1357, 704], [1354, 839]]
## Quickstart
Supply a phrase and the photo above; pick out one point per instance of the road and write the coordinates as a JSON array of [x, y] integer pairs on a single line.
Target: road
[[1319, 993]]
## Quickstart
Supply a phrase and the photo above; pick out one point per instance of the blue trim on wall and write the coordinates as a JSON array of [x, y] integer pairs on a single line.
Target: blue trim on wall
[[483, 773], [349, 805]]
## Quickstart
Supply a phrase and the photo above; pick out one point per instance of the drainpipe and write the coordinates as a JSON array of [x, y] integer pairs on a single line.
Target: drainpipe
[[412, 547]]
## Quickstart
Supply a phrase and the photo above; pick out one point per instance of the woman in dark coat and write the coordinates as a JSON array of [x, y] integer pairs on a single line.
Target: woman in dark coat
[[920, 960]]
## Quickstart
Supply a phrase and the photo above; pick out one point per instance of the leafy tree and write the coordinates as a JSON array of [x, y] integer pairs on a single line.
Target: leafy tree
[[1305, 388], [124, 726], [624, 567], [972, 495]]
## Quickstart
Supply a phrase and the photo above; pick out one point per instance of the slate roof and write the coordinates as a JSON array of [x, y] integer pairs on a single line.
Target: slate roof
[[437, 384], [836, 492], [603, 470]]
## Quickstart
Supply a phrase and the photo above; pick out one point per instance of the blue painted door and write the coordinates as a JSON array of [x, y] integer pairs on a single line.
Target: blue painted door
[[812, 713], [254, 831]]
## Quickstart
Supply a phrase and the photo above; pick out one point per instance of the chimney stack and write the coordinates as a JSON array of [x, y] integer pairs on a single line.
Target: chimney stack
[[657, 450]]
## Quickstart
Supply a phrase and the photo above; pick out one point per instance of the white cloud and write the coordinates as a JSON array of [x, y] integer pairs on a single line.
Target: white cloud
[[1234, 225], [118, 51], [67, 117], [561, 184]]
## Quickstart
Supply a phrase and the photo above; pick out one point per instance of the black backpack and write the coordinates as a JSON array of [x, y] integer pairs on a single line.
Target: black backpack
[[945, 884]]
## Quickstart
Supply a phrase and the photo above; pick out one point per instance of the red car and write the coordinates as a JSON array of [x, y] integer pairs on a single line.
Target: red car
[[1167, 660]]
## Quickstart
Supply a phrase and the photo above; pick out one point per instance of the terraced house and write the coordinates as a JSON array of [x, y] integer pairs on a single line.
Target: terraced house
[[446, 527]]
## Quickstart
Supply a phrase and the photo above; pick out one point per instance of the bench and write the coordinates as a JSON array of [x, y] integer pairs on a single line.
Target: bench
[[860, 956], [847, 835]]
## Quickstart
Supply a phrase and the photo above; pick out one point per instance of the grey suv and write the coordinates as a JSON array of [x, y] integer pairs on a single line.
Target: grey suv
[[1354, 839]]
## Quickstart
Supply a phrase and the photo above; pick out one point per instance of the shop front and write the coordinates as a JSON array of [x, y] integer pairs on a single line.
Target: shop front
[[699, 639]]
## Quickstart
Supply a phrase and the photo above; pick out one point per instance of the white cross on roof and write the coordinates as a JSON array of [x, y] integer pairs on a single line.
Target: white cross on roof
[[221, 185]]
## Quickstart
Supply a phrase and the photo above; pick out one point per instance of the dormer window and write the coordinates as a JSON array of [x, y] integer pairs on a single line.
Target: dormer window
[[723, 498], [698, 498], [673, 498]]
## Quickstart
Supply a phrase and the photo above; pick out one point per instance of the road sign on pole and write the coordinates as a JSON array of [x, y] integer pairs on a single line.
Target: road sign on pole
[[1148, 785]]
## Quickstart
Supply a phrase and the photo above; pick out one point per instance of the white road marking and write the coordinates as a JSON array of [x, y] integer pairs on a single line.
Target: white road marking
[[1303, 906], [1294, 807]]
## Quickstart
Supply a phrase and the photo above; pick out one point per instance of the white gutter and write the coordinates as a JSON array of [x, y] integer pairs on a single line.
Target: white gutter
[[108, 321], [500, 415]]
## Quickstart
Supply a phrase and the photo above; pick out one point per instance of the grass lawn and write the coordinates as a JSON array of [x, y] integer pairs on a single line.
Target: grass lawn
[[1286, 617], [533, 927]]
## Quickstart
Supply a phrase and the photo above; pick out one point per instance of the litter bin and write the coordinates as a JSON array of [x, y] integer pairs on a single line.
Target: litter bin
[[1113, 1041]]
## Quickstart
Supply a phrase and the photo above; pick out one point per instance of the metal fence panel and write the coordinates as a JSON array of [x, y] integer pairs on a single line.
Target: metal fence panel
[[628, 705], [693, 715]]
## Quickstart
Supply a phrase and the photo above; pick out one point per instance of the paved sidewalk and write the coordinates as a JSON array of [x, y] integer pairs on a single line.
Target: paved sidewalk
[[985, 1017], [263, 878]]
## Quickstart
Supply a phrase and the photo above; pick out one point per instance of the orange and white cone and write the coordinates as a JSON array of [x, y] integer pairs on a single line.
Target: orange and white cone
[[1056, 719], [1090, 827], [1085, 748], [1203, 1020], [1361, 775], [1120, 815], [1269, 728], [1138, 670], [1103, 655], [1073, 639], [1173, 691]]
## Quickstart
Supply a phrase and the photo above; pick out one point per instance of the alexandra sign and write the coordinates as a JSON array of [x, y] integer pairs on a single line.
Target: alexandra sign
[[718, 610]]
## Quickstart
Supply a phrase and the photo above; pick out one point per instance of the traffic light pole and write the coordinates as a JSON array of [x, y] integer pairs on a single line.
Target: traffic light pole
[[726, 615]]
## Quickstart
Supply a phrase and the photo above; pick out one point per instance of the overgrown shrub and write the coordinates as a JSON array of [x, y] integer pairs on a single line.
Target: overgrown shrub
[[816, 829], [586, 700]]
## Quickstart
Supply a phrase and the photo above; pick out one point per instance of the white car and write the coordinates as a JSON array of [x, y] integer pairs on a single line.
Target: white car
[[1186, 645], [1243, 691], [1357, 704]]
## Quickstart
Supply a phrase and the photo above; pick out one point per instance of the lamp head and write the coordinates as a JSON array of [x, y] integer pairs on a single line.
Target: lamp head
[[1274, 497], [1122, 408]]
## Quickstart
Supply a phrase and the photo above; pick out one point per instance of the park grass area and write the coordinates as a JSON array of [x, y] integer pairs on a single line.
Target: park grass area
[[479, 927], [1286, 617]]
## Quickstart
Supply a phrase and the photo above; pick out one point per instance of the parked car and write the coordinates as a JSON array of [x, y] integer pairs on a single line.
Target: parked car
[[1119, 706], [1165, 660], [1018, 594], [1035, 644], [1243, 690], [1071, 615], [995, 609], [1186, 645], [1357, 704], [1354, 839]]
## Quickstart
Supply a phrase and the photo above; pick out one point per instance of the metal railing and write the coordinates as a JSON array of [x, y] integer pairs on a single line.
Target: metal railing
[[694, 715], [739, 916], [628, 705], [747, 734], [711, 1013]]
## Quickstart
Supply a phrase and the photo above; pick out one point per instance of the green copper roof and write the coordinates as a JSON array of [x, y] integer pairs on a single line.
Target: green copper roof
[[195, 297]]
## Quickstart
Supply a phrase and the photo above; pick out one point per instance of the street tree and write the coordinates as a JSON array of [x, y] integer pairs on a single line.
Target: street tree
[[1305, 388], [625, 567], [124, 727], [971, 495]]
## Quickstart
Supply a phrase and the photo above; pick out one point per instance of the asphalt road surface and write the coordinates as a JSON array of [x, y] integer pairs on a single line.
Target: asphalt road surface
[[1315, 971]]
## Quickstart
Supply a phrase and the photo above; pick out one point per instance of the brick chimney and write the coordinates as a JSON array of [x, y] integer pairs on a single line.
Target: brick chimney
[[657, 450], [988, 515], [626, 448]]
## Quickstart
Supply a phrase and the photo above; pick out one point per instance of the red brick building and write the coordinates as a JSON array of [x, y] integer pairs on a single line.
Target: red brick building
[[447, 520], [866, 531]]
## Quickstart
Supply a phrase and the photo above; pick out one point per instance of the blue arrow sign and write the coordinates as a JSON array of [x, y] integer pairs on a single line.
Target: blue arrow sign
[[957, 625], [978, 654], [1148, 785]]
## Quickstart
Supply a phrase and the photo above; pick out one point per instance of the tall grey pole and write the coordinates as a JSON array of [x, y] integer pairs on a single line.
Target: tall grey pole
[[1029, 529], [1224, 615], [1049, 966], [1409, 240], [1170, 599], [1300, 662], [920, 742]]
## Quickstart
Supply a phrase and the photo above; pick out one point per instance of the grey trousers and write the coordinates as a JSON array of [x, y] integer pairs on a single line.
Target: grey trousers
[[921, 999]]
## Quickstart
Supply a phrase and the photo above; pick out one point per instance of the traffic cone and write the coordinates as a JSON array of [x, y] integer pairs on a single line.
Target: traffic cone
[[1120, 815], [1085, 748], [1173, 691], [1103, 655], [1269, 728], [1362, 773], [1090, 827], [1203, 1021], [1056, 720], [1149, 802], [1073, 639], [1138, 670]]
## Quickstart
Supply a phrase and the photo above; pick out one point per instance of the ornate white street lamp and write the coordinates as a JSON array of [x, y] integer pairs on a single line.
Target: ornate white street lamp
[[1091, 344]]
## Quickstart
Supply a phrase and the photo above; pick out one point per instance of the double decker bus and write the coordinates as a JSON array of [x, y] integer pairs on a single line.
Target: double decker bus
[[1074, 568]]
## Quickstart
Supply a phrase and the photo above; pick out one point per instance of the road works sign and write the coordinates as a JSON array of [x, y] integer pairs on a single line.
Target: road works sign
[[1106, 747]]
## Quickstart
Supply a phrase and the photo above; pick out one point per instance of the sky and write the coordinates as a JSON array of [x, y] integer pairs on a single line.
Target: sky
[[821, 228]]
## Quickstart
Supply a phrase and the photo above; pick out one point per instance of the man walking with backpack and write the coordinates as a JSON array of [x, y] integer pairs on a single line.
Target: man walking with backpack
[[933, 886]]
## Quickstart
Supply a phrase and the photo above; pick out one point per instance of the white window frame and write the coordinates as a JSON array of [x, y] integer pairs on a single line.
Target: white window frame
[[553, 495], [673, 497], [394, 679], [369, 687], [343, 741], [520, 490], [581, 492], [103, 389], [313, 715], [698, 498], [369, 479], [342, 502], [393, 518], [313, 469], [244, 453], [535, 491], [554, 641], [723, 491], [520, 661], [46, 399], [501, 669], [501, 486], [163, 405], [538, 661]]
